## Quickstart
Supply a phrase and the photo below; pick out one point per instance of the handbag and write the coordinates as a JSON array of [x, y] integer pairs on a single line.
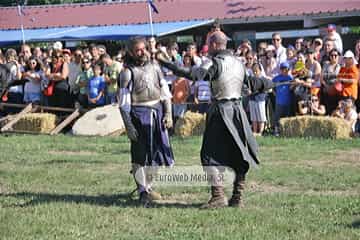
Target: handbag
[[335, 89], [49, 90]]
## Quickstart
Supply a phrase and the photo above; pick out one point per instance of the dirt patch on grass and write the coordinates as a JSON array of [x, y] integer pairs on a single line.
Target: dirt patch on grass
[[330, 159], [73, 153], [268, 189]]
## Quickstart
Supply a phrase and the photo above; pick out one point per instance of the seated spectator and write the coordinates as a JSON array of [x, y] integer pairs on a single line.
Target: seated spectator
[[311, 107], [346, 110], [96, 88], [283, 96]]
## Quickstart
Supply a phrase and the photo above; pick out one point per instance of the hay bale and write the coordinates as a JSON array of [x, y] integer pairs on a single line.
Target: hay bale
[[315, 126], [191, 124], [36, 122], [101, 121]]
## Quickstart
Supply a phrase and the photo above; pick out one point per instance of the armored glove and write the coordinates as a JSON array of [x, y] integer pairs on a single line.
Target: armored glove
[[167, 120], [130, 128]]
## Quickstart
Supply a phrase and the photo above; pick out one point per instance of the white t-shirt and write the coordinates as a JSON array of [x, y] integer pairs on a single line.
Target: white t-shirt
[[33, 86], [203, 90]]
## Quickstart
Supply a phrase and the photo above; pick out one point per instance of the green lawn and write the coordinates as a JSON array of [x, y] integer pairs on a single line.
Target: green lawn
[[76, 188]]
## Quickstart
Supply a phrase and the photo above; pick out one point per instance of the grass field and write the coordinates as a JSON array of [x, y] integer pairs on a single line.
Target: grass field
[[76, 188]]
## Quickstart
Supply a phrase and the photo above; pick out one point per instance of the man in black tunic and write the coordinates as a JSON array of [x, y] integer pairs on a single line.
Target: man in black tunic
[[228, 139]]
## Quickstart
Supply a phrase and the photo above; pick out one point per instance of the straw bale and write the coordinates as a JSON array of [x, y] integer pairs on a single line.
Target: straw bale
[[191, 124], [315, 126], [36, 122]]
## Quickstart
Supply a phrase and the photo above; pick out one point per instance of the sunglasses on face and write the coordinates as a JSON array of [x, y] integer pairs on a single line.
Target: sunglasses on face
[[276, 39], [334, 55], [33, 63]]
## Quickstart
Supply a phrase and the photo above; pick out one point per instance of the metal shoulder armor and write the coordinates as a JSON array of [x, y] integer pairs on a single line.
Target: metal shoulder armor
[[125, 78], [200, 73]]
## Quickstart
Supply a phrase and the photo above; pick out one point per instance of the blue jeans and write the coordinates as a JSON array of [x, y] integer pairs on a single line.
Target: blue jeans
[[280, 112]]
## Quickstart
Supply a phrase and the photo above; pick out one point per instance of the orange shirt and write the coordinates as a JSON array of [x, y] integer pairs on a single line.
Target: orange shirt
[[180, 90], [350, 89]]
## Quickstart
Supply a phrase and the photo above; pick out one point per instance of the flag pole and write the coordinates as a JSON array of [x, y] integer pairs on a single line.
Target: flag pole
[[21, 24], [150, 18]]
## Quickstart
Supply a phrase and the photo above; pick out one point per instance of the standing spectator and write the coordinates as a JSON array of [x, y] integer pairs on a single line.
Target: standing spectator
[[243, 49], [330, 70], [95, 54], [102, 49], [357, 51], [180, 92], [82, 81], [33, 74], [250, 60], [204, 53], [257, 104], [270, 63], [172, 54], [58, 77], [325, 54], [191, 50], [216, 27], [334, 36], [152, 46], [280, 50], [37, 52], [74, 71], [261, 53], [202, 97], [291, 56], [317, 46], [25, 52], [357, 58], [349, 76], [314, 71], [188, 63], [283, 96], [299, 44], [96, 88], [112, 71], [15, 93]]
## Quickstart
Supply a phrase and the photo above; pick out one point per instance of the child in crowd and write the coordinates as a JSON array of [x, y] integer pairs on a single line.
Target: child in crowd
[[346, 110], [96, 88], [283, 95], [257, 105]]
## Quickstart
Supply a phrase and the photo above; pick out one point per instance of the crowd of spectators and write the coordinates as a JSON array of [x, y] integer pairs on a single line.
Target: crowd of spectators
[[314, 77]]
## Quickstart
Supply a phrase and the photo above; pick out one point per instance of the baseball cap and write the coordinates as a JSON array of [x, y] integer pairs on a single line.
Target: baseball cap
[[284, 65], [309, 51], [331, 27], [205, 49], [350, 54], [57, 45]]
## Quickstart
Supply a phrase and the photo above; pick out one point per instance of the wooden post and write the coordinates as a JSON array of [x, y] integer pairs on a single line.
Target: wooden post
[[65, 122]]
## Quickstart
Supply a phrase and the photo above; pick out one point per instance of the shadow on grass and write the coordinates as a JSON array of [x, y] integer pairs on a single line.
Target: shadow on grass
[[121, 200], [355, 224]]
